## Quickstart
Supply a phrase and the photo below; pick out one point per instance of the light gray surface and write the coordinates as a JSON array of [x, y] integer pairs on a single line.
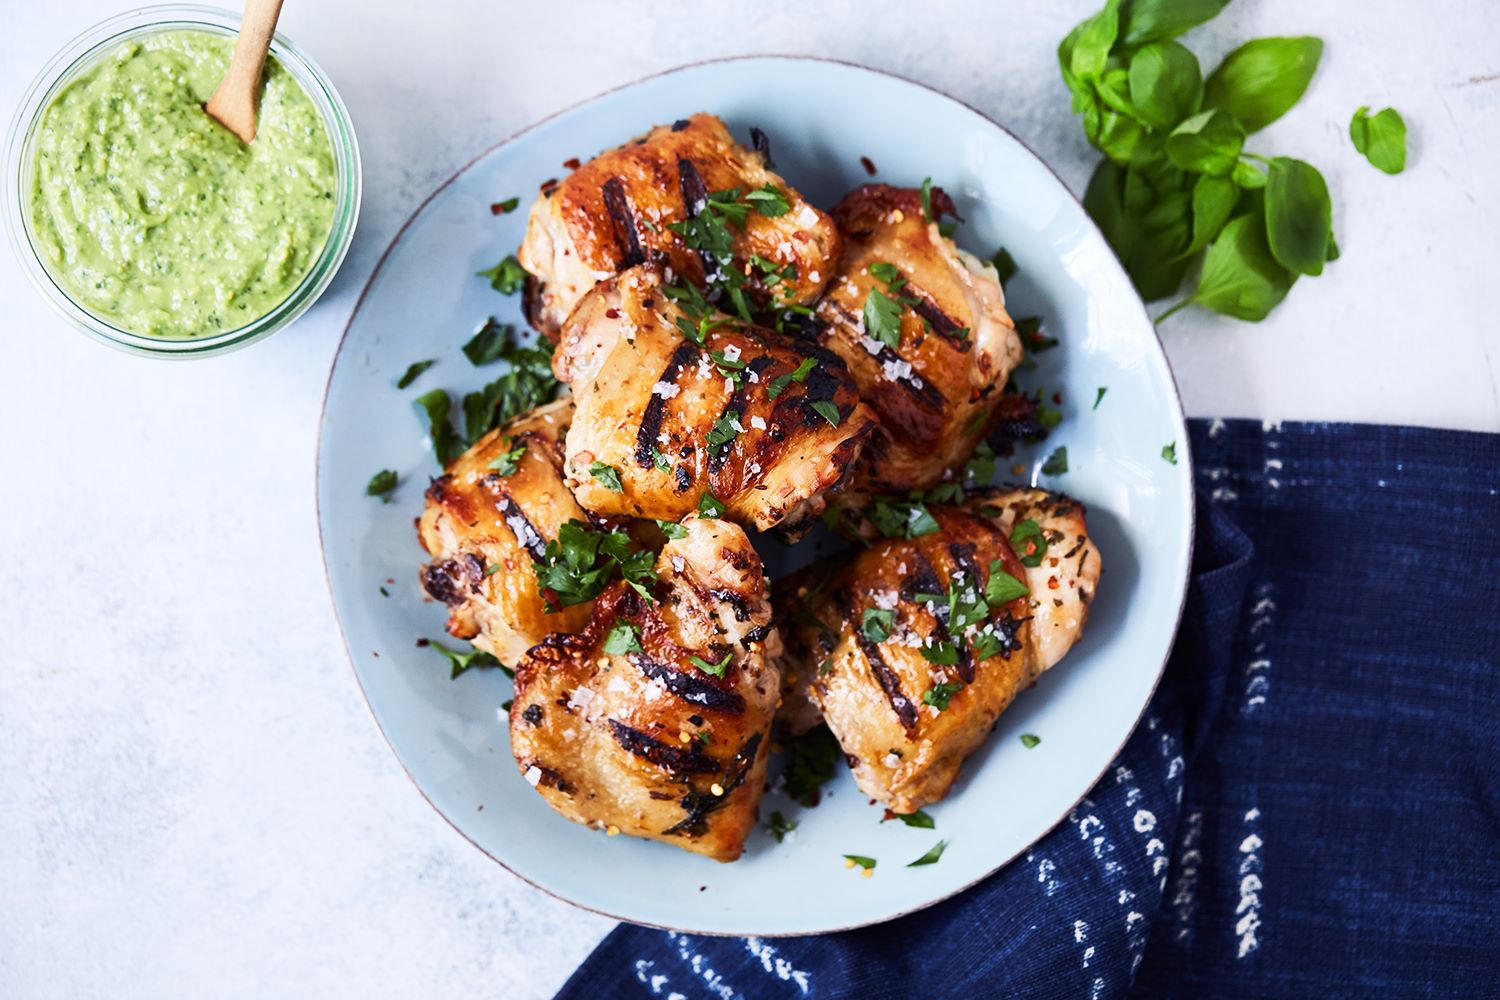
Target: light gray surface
[[193, 797]]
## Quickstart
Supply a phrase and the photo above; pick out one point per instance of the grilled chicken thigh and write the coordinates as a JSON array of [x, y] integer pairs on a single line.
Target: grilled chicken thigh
[[758, 422], [936, 389], [912, 649], [654, 720], [617, 211], [487, 518]]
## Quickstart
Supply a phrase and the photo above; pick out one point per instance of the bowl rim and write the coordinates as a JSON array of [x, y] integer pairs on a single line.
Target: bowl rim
[[87, 49], [1185, 460]]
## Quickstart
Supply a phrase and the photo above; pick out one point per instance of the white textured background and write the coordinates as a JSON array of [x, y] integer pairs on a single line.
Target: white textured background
[[194, 800]]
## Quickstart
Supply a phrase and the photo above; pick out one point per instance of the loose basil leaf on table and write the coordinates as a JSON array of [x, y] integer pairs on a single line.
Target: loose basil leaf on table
[[1214, 199], [1299, 215], [1381, 138], [1241, 277], [1259, 82]]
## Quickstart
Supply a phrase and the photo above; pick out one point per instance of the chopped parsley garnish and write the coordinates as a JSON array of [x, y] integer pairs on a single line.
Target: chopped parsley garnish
[[1005, 265], [927, 199], [917, 819], [717, 669], [778, 384], [525, 386], [607, 476], [868, 864], [466, 661], [413, 370], [1002, 588], [828, 410], [1046, 415], [780, 826], [1030, 543], [381, 484], [886, 272], [1029, 740], [709, 507], [876, 624], [902, 518], [491, 571], [939, 695], [508, 462], [672, 529], [931, 857], [1057, 462], [504, 207], [489, 343], [944, 654], [813, 758], [1030, 330], [505, 705], [981, 468], [723, 430], [506, 277], [623, 638], [579, 562], [1169, 452], [446, 443], [882, 318], [384, 592], [1099, 396], [659, 459], [769, 201], [946, 493]]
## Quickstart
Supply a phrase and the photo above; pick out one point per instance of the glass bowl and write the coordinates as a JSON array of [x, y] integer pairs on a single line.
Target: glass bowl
[[82, 54]]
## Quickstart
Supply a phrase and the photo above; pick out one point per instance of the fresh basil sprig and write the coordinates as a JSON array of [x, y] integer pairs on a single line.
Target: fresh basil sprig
[[1177, 185]]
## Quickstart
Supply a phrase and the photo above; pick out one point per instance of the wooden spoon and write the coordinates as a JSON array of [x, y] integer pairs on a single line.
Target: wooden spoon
[[234, 104]]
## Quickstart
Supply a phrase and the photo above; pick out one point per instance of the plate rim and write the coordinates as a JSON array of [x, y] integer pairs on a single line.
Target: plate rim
[[1174, 400]]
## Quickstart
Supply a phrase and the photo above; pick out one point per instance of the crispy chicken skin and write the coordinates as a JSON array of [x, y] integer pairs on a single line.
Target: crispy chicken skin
[[935, 393], [614, 212], [877, 696], [476, 519], [647, 742], [648, 400]]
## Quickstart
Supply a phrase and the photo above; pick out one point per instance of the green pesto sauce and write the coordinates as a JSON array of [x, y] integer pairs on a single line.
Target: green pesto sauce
[[153, 216]]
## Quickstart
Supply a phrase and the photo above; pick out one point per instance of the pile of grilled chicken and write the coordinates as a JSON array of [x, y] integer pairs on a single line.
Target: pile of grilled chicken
[[714, 329]]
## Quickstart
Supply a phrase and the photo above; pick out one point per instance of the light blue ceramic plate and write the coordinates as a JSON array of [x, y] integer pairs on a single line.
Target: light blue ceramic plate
[[424, 301]]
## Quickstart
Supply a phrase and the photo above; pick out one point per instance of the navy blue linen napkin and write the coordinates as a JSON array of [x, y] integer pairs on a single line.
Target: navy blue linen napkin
[[1311, 805]]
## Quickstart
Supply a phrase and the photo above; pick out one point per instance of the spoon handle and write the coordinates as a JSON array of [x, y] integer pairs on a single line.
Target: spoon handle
[[234, 104]]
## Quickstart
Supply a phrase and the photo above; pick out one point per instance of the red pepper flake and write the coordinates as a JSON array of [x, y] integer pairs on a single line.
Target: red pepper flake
[[550, 182], [868, 164], [612, 313], [1057, 398], [571, 164], [1052, 583]]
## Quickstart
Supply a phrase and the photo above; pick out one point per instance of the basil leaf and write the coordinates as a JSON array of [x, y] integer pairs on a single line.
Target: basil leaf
[[489, 343], [1240, 276], [1144, 21], [1166, 84], [607, 476], [1085, 51], [1299, 215], [1147, 230], [931, 857], [381, 483], [1214, 199], [1057, 462], [1381, 138], [1002, 588], [876, 624], [1259, 82], [1248, 176], [1126, 141], [1207, 143], [413, 370]]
